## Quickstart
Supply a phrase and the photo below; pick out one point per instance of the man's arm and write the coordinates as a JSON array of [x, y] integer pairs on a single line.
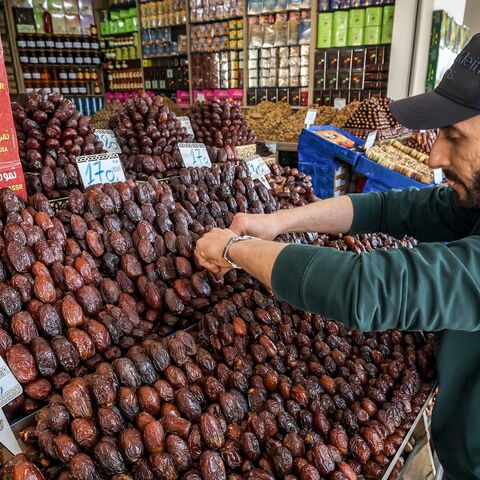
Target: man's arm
[[430, 287], [430, 214]]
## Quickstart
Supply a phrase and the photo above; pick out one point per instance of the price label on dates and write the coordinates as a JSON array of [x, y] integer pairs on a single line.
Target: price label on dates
[[107, 137], [185, 122], [257, 168], [372, 136], [7, 437], [10, 388], [101, 168], [310, 117], [339, 102], [194, 155]]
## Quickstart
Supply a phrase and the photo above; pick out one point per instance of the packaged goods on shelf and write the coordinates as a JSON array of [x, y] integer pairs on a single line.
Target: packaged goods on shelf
[[118, 21], [405, 160], [217, 70], [217, 36], [208, 10], [167, 13]]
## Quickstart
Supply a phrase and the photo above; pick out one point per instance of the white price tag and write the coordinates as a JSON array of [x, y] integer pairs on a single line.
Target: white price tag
[[257, 167], [7, 437], [101, 168], [185, 122], [339, 103], [194, 155], [107, 137], [372, 136], [310, 117], [437, 175], [272, 147], [10, 388], [200, 97], [162, 85], [169, 73], [264, 182]]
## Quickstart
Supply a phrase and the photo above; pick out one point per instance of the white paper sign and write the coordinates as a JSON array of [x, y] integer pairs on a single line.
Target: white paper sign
[[372, 136], [339, 103], [200, 97], [257, 167], [264, 182], [101, 168], [7, 437], [185, 122], [107, 137], [162, 85], [169, 73], [310, 117], [10, 388], [272, 147], [194, 155], [437, 175]]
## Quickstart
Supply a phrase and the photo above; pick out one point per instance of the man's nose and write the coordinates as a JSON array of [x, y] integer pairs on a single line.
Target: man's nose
[[439, 157]]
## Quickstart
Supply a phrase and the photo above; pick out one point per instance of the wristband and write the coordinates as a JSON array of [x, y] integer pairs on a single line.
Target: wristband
[[231, 241]]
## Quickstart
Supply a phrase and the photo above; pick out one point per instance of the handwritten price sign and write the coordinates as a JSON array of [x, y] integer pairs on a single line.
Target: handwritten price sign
[[310, 117], [107, 137], [185, 122], [194, 155], [257, 167], [102, 168]]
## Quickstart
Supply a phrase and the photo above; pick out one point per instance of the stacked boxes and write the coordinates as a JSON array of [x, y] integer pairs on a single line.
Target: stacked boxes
[[217, 36], [217, 70], [360, 26]]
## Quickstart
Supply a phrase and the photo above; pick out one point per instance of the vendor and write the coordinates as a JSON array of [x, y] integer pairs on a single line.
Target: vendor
[[434, 287]]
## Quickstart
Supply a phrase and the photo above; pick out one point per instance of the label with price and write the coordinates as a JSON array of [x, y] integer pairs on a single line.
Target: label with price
[[101, 168], [257, 167], [310, 117], [194, 155], [200, 97], [339, 102], [185, 122], [107, 137], [437, 175]]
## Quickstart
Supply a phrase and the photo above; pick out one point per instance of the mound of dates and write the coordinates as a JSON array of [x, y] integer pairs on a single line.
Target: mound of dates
[[51, 134], [262, 391], [148, 132], [221, 126]]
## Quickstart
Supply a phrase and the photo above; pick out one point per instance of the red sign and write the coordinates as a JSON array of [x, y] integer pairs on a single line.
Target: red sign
[[11, 173]]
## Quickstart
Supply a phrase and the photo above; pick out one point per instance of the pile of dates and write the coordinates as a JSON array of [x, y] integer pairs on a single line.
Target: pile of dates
[[221, 126], [148, 132], [51, 134], [262, 391]]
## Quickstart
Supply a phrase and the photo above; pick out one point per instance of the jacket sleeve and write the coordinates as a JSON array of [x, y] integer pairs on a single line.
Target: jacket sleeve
[[429, 215], [430, 287]]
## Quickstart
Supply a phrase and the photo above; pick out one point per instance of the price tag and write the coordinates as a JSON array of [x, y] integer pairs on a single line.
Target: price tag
[[310, 117], [264, 182], [101, 168], [372, 136], [107, 137], [185, 122], [272, 147], [437, 175], [169, 73], [257, 167], [7, 437], [339, 103], [200, 97], [194, 155], [162, 85], [10, 389]]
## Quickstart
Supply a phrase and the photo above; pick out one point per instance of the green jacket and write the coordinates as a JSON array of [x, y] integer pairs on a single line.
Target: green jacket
[[432, 287]]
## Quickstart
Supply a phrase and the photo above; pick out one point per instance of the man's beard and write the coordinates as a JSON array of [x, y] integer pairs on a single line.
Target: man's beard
[[472, 199]]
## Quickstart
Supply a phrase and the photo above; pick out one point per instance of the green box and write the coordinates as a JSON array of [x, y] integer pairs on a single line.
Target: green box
[[372, 35], [115, 15], [132, 12], [104, 29], [373, 17], [124, 13], [386, 34], [356, 18], [355, 37], [131, 24], [114, 28], [325, 40], [388, 14], [339, 38], [325, 21], [340, 20]]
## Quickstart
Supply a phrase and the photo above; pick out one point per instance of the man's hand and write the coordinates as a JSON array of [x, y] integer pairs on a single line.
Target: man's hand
[[264, 226], [209, 251]]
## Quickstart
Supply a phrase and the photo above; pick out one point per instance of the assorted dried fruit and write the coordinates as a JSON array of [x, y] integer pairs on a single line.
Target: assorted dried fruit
[[51, 134]]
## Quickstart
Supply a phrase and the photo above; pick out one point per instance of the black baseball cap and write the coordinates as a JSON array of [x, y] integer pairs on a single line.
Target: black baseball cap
[[456, 98]]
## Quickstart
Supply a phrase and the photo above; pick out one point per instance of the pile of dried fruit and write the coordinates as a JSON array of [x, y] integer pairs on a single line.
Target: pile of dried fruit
[[102, 117], [344, 114], [148, 132], [221, 126], [422, 140], [51, 134]]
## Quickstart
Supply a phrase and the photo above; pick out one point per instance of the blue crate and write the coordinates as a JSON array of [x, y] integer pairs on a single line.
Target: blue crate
[[373, 186], [385, 176], [313, 148]]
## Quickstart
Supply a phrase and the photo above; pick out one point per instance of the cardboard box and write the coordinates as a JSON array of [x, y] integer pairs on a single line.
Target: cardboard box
[[355, 37], [339, 38], [324, 41], [373, 16], [387, 31], [388, 15], [356, 18], [340, 20], [325, 21], [372, 35]]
